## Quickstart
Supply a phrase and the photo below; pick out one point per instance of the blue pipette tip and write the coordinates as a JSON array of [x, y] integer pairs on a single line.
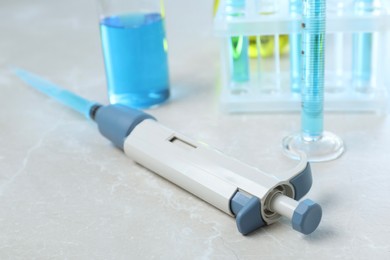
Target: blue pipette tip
[[21, 73], [76, 102]]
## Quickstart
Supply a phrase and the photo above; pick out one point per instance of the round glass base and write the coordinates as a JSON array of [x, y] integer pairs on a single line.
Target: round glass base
[[140, 100], [326, 147]]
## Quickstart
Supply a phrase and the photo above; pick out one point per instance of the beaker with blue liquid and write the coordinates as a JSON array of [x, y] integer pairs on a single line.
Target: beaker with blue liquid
[[135, 51]]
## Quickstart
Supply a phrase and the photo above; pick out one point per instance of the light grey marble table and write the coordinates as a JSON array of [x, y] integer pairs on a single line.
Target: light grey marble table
[[66, 192]]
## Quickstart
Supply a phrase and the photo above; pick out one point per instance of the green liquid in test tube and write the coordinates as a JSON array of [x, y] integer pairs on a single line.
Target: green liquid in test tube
[[238, 45], [317, 144]]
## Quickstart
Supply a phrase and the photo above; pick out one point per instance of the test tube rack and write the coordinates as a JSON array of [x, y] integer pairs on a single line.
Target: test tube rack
[[268, 87]]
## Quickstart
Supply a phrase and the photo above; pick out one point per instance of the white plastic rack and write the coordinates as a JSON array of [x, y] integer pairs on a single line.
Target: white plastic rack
[[268, 86]]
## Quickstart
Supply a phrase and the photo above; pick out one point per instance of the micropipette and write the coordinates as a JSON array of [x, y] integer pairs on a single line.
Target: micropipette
[[255, 198]]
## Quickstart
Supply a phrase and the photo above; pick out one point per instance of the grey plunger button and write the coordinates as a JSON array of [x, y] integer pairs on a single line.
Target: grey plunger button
[[306, 217]]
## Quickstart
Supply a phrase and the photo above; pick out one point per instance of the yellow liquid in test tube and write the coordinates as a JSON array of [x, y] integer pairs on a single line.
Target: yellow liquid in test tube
[[267, 46]]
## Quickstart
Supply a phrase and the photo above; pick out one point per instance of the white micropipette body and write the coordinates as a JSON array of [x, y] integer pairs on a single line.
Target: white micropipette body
[[255, 198]]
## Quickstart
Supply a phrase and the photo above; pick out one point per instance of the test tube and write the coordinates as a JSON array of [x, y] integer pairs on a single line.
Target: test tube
[[240, 63], [295, 7], [313, 140], [238, 45], [271, 46], [215, 7], [266, 43], [338, 46], [362, 50]]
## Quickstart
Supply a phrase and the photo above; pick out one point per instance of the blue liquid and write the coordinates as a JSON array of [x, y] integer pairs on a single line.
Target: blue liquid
[[313, 62], [362, 50], [64, 96], [134, 49], [240, 62]]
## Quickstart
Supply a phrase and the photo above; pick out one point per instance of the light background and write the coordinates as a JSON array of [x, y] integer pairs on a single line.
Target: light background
[[66, 192]]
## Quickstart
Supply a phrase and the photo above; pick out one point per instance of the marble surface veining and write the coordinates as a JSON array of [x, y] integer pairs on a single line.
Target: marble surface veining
[[67, 193]]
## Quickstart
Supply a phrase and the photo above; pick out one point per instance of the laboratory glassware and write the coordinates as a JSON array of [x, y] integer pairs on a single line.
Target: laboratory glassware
[[135, 51], [318, 144]]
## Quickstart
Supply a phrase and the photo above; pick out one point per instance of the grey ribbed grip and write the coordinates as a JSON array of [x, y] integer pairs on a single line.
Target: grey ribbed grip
[[115, 122]]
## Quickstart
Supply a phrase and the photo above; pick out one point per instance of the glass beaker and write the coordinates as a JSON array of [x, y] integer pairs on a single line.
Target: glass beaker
[[135, 51]]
